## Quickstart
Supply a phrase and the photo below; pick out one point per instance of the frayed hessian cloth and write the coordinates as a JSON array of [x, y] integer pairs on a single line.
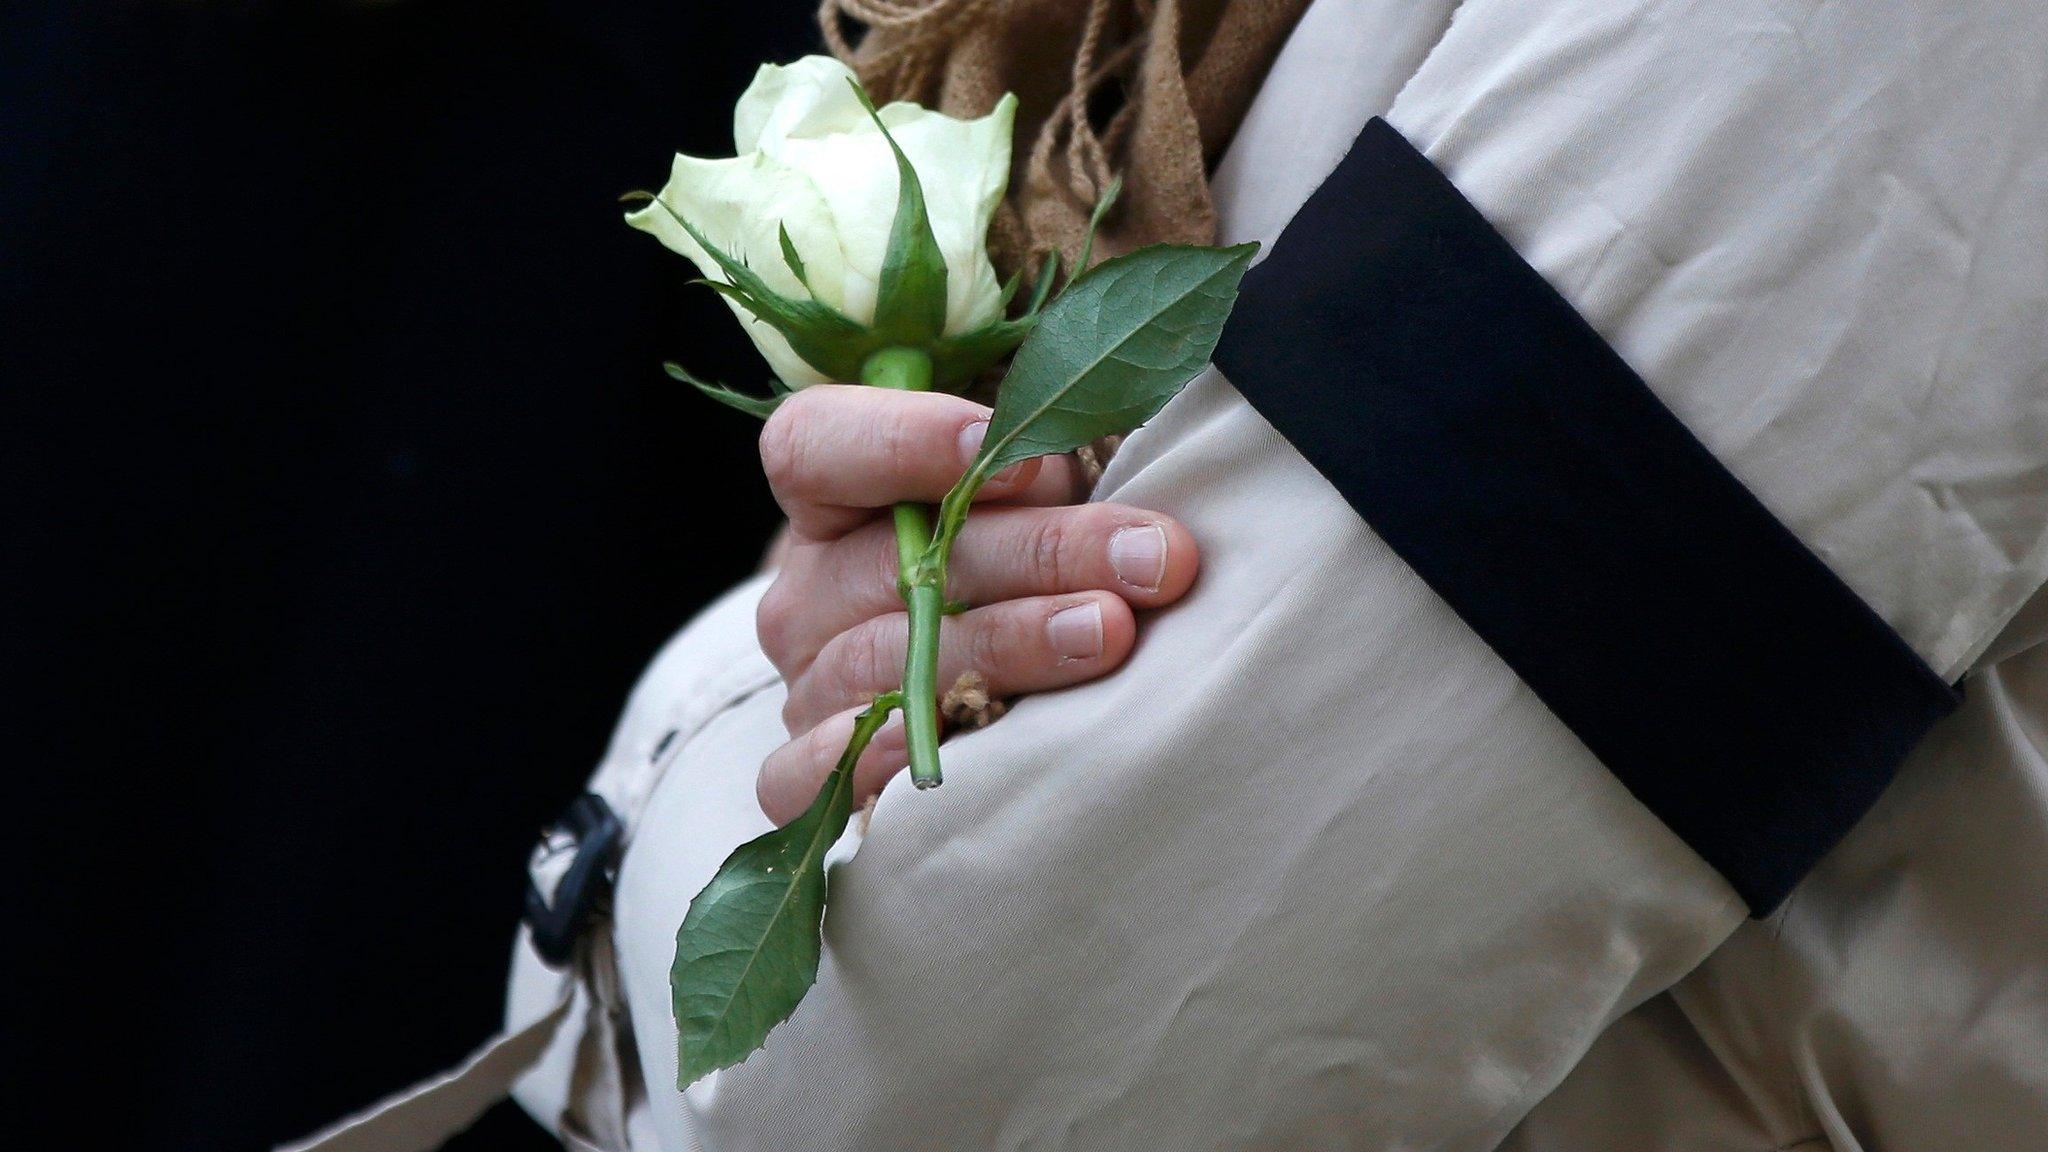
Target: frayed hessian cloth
[[1151, 90]]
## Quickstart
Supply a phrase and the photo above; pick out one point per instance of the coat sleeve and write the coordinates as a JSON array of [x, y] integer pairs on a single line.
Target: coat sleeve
[[1315, 869], [1496, 442], [1742, 393]]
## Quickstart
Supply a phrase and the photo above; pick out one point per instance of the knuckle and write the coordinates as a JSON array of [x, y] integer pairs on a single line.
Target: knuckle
[[775, 623], [765, 793], [784, 445], [876, 663], [877, 559], [1048, 549], [791, 774], [857, 661], [903, 450], [792, 708], [991, 642], [762, 777]]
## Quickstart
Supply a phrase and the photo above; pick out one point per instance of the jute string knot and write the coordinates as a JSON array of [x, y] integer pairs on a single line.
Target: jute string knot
[[917, 36]]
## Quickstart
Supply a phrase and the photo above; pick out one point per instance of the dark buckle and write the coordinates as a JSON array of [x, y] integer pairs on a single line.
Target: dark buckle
[[591, 832]]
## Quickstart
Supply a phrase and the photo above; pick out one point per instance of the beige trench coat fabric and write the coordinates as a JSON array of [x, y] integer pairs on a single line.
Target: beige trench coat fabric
[[1316, 871]]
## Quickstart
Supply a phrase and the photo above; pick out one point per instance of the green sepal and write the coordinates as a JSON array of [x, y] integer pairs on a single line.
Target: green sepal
[[760, 407], [958, 360], [910, 295], [1047, 273], [794, 262], [1103, 204], [826, 339], [1009, 292]]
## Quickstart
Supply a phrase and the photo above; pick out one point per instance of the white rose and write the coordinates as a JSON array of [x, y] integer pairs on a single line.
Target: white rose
[[812, 161]]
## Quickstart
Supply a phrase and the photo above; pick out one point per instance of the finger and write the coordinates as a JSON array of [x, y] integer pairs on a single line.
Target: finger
[[1147, 558], [1003, 553], [789, 779], [835, 452], [1018, 646], [1060, 480]]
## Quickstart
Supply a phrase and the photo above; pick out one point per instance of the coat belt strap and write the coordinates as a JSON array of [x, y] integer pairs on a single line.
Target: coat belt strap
[[429, 1113]]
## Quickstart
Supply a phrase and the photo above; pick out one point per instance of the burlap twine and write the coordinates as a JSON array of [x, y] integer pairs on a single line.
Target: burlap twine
[[1149, 89]]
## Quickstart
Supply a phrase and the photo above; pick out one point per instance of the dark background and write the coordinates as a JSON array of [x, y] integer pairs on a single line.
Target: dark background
[[343, 500]]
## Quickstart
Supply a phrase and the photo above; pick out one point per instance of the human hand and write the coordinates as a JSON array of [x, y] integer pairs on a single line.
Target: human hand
[[1051, 581]]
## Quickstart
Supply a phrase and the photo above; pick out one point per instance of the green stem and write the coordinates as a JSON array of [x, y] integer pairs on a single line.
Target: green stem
[[921, 684], [923, 586]]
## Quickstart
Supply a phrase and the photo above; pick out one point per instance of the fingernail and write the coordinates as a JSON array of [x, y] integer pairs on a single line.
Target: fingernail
[[1137, 555], [1076, 633], [970, 441], [971, 438]]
